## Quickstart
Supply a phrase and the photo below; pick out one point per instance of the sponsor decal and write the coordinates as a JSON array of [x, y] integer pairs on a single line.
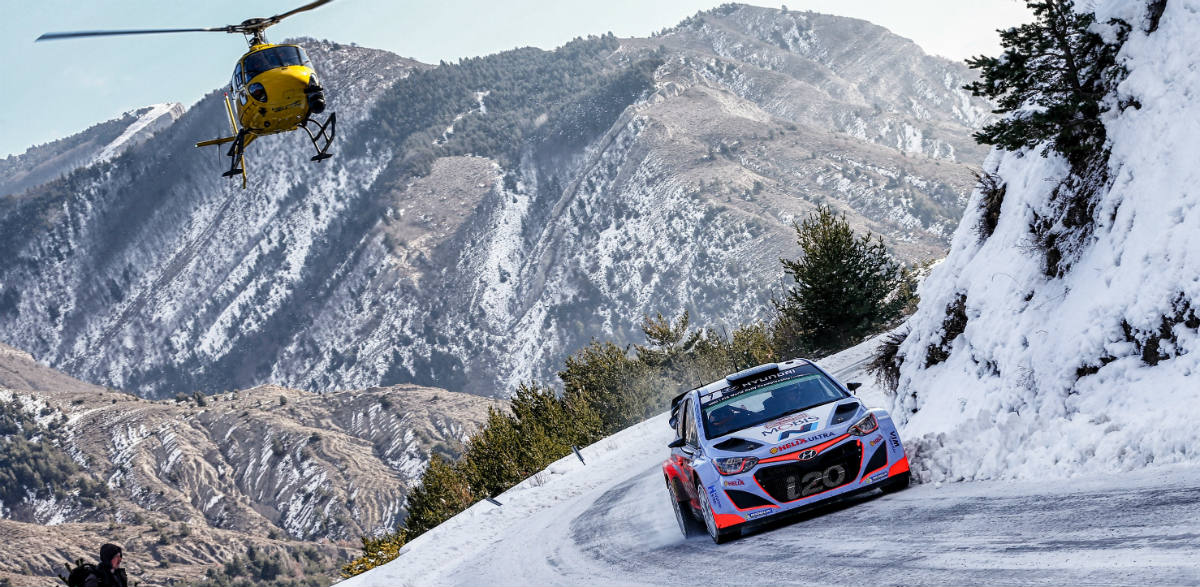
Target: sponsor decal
[[759, 513], [876, 440], [816, 437], [734, 483], [877, 477], [787, 422], [713, 501], [806, 428], [798, 442], [282, 108], [728, 392], [895, 439], [815, 482], [783, 447]]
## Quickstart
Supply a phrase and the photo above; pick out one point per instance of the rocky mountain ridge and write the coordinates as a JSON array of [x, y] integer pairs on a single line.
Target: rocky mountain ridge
[[476, 224], [101, 142], [209, 476]]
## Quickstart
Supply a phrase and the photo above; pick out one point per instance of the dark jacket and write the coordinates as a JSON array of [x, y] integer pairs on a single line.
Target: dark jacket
[[106, 576]]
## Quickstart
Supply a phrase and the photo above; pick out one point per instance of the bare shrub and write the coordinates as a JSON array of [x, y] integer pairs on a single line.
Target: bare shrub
[[885, 366]]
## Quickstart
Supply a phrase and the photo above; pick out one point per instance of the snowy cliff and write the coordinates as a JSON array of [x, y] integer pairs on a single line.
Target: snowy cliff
[[1013, 371]]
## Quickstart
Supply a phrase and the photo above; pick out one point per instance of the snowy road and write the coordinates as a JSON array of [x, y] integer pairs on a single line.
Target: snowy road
[[1133, 530]]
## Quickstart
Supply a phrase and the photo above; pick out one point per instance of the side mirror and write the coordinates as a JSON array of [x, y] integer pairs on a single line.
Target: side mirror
[[853, 386], [677, 443]]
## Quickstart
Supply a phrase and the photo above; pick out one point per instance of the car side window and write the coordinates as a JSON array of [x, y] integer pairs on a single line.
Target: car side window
[[681, 419], [690, 434]]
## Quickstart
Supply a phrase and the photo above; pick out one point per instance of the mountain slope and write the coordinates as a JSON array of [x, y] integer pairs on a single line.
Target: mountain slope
[[267, 466], [478, 223]]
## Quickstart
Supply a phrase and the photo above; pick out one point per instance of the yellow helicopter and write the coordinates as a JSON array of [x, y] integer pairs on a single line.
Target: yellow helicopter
[[275, 89]]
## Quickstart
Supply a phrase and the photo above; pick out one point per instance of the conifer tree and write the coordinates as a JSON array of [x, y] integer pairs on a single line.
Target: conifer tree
[[443, 492], [1051, 81], [613, 384], [564, 423], [846, 286], [493, 460]]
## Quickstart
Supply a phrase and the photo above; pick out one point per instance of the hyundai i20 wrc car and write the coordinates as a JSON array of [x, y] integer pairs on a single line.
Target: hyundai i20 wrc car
[[774, 439]]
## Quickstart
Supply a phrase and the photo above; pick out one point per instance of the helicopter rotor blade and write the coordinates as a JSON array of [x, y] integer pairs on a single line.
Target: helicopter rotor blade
[[306, 7], [77, 34], [250, 26]]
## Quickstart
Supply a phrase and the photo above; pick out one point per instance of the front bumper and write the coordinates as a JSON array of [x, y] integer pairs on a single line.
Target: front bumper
[[789, 484]]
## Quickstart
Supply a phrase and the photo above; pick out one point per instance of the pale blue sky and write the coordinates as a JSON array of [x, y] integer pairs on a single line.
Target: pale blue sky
[[54, 89]]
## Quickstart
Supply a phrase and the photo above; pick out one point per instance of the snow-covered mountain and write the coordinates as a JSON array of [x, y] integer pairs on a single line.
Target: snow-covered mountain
[[478, 224], [101, 142], [1021, 364]]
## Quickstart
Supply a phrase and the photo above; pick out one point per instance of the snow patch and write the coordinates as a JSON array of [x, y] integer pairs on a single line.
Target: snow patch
[[150, 116]]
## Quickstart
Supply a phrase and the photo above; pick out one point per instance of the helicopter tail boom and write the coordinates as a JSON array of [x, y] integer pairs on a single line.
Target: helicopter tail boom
[[237, 151], [220, 141]]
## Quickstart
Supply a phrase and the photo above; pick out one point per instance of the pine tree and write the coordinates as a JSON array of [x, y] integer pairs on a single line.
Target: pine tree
[[376, 551], [442, 493], [751, 345], [1051, 81], [846, 286], [493, 460], [613, 384], [668, 341], [550, 424]]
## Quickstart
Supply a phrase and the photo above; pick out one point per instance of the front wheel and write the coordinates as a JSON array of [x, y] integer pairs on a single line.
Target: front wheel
[[710, 521], [688, 524]]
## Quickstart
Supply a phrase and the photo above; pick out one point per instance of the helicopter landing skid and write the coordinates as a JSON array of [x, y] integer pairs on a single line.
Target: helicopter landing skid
[[323, 137], [236, 154]]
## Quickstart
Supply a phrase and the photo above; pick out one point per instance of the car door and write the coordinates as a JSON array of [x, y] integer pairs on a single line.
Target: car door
[[690, 449]]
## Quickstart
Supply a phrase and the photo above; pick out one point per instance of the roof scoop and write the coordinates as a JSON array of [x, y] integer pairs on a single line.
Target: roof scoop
[[752, 373]]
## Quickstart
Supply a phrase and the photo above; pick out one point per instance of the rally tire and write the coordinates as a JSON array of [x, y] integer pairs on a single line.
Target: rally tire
[[688, 524], [710, 522], [898, 483]]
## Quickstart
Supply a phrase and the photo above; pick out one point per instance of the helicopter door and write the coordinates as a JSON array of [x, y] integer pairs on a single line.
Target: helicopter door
[[239, 84]]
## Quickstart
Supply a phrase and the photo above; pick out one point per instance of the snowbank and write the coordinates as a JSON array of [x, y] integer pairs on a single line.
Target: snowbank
[[424, 560], [1048, 376]]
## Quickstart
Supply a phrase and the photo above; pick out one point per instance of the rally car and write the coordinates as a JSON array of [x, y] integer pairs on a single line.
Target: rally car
[[775, 438]]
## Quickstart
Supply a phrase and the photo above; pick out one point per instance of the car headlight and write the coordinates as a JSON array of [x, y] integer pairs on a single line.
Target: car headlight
[[735, 465], [865, 426]]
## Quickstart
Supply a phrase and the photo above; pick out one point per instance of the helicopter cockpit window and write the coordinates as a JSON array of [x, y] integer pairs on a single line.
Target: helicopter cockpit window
[[268, 59], [237, 77]]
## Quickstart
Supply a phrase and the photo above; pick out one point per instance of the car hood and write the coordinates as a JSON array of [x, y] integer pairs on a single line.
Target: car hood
[[812, 426]]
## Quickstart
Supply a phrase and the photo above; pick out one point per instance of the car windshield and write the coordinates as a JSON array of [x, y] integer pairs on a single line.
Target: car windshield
[[267, 59], [758, 403]]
